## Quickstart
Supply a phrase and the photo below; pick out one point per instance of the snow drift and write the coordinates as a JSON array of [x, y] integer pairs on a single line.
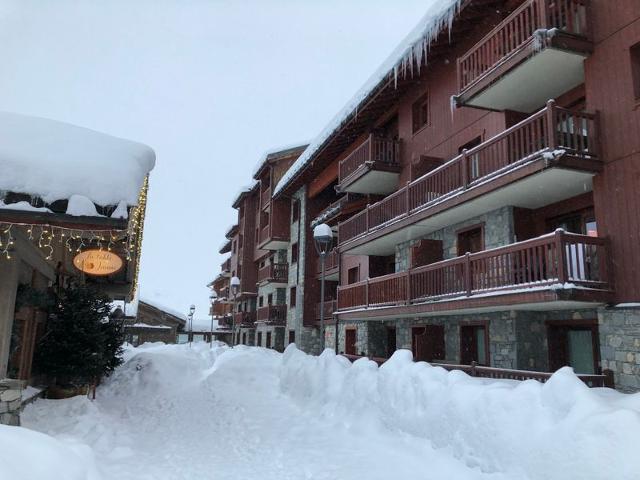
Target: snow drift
[[254, 413]]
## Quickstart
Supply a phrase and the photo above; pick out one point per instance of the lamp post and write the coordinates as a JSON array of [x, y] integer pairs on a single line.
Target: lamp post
[[212, 299], [192, 310], [235, 287], [322, 238]]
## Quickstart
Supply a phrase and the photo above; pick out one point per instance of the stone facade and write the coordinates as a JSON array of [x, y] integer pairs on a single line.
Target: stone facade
[[10, 402], [498, 231], [277, 336], [619, 330]]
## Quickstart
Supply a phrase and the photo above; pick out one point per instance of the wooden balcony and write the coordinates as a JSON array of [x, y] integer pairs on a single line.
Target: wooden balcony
[[225, 268], [593, 381], [331, 266], [345, 205], [265, 198], [373, 167], [274, 273], [534, 54], [560, 267], [221, 309], [275, 234], [546, 158], [245, 319], [330, 306], [273, 314]]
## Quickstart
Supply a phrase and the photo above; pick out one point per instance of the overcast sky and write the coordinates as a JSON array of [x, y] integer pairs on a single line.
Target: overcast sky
[[209, 85]]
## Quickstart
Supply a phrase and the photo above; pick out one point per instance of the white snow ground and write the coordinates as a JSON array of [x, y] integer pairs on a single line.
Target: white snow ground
[[175, 412]]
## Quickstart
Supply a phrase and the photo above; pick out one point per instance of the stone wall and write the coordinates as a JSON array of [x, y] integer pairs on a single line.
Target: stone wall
[[277, 336], [498, 231], [619, 330]]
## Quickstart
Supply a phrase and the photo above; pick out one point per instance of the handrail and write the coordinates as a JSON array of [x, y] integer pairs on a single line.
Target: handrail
[[372, 150]]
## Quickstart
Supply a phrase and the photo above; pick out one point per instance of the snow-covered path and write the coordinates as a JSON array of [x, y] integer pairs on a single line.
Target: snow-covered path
[[174, 412]]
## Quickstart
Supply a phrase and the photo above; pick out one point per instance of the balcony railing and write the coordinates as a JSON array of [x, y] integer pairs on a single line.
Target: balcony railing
[[557, 258], [245, 318], [276, 314], [552, 130], [330, 306], [221, 309], [226, 265], [265, 197], [373, 151], [473, 370], [516, 30], [274, 272], [331, 262]]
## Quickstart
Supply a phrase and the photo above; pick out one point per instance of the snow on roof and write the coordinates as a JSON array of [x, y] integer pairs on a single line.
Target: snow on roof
[[56, 160], [414, 47], [160, 306], [285, 149], [148, 325], [203, 324]]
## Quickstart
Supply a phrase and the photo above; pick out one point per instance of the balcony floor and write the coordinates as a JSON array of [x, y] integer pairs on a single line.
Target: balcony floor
[[367, 181], [529, 78], [531, 185]]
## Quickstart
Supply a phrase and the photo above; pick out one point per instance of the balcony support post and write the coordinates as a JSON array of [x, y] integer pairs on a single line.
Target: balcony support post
[[467, 273], [551, 125], [367, 218], [562, 259], [465, 169], [366, 292], [406, 198]]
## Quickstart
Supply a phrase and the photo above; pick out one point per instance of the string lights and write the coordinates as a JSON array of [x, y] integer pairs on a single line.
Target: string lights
[[127, 242]]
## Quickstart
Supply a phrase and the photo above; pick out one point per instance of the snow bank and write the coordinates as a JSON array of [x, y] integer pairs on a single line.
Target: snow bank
[[521, 428], [56, 160], [413, 49], [29, 455]]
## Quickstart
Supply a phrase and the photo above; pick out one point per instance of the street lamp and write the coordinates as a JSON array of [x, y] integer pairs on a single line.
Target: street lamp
[[212, 299], [322, 238], [192, 310], [235, 288]]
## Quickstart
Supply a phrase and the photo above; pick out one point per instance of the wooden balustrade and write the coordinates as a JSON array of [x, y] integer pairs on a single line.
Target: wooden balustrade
[[374, 150], [473, 370], [330, 306], [330, 263], [226, 265], [265, 197], [245, 318], [272, 314], [558, 258], [552, 129], [274, 272], [517, 30]]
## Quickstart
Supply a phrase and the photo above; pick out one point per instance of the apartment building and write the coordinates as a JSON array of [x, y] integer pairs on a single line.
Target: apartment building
[[502, 142]]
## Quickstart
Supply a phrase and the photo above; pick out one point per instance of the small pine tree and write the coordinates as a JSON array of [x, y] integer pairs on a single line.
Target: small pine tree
[[81, 343]]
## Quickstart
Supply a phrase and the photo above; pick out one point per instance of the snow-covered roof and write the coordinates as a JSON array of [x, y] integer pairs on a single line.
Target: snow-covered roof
[[160, 306], [284, 150], [243, 191], [414, 48], [203, 324], [147, 325], [55, 161]]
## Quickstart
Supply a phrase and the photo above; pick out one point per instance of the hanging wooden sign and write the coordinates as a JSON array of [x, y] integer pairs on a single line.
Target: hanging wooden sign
[[98, 262]]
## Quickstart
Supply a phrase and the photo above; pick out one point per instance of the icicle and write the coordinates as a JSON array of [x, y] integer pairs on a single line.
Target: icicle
[[453, 105]]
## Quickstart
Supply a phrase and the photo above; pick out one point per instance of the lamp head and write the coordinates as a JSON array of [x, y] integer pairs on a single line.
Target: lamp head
[[192, 309], [323, 237], [235, 285]]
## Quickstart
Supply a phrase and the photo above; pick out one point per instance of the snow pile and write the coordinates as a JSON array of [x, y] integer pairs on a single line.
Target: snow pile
[[412, 50], [179, 411], [55, 160], [521, 428], [29, 455]]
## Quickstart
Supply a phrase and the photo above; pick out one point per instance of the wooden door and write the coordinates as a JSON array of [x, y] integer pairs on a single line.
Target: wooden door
[[391, 341], [350, 341], [269, 340], [473, 344], [425, 252], [427, 343]]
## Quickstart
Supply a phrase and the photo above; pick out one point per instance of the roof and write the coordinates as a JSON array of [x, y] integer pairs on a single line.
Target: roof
[[231, 231], [178, 316], [412, 50], [58, 161], [278, 154], [225, 247], [243, 192]]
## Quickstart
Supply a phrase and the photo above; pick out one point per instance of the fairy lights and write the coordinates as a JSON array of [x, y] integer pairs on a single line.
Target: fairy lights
[[126, 242]]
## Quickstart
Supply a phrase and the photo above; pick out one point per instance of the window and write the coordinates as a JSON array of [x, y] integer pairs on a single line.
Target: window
[[295, 211], [292, 336], [473, 344], [268, 345], [294, 253], [261, 301], [353, 275], [350, 341], [244, 338], [420, 112], [259, 341], [635, 69], [270, 299], [471, 240], [573, 345], [292, 297]]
